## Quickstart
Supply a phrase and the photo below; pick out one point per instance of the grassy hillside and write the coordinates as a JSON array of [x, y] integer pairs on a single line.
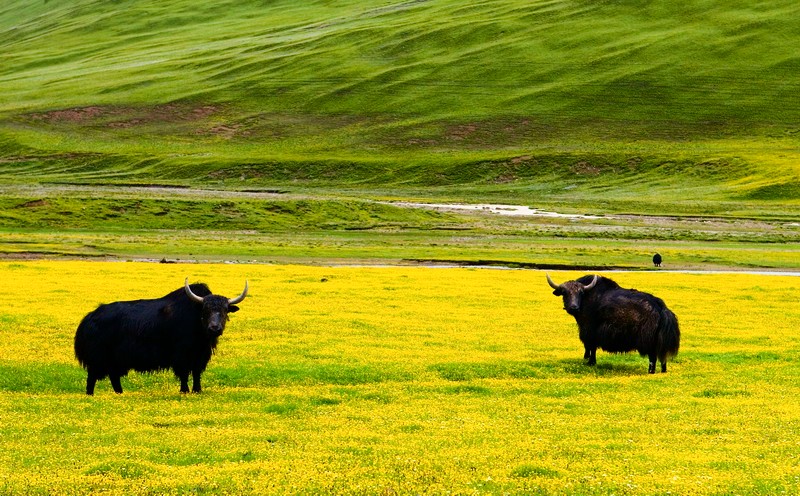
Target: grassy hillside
[[511, 98], [694, 68]]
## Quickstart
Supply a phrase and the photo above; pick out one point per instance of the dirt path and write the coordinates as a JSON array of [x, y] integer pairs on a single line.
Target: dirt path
[[140, 191]]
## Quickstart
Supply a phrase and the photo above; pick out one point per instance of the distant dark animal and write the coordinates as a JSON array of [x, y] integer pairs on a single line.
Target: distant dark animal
[[178, 331], [619, 320], [657, 260]]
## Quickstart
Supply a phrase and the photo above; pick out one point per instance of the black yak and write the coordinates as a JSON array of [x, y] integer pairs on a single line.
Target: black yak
[[657, 260], [619, 320], [178, 331]]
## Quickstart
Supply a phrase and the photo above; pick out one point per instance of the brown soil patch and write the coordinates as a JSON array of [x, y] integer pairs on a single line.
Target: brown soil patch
[[523, 158], [167, 113], [461, 132], [126, 124], [505, 178], [222, 131], [128, 117], [584, 168], [78, 114], [204, 112], [33, 203], [423, 142]]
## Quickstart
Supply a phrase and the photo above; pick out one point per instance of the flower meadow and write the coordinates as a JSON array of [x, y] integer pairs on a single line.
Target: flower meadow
[[404, 380]]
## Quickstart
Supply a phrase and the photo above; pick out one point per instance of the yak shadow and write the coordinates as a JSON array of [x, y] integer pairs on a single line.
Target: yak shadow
[[611, 367], [538, 369], [68, 378], [42, 378], [58, 378]]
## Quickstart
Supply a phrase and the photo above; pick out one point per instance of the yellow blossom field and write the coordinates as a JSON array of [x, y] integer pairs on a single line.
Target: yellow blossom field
[[342, 380]]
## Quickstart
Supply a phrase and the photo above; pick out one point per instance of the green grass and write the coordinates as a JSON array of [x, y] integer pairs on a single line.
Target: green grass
[[273, 227], [213, 214], [547, 101], [686, 111], [570, 62]]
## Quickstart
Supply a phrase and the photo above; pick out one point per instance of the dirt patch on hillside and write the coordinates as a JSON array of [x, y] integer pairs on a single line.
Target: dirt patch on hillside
[[170, 113], [476, 134], [461, 132], [33, 203], [43, 192], [227, 131], [117, 117], [584, 168], [78, 114]]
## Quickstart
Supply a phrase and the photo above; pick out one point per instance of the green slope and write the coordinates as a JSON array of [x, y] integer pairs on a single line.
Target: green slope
[[506, 97], [620, 61]]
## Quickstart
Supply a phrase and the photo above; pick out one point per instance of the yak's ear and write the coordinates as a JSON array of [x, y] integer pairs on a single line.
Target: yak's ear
[[232, 308], [558, 292]]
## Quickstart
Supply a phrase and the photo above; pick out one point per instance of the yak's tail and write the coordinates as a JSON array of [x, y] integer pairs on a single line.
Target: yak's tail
[[81, 342], [669, 335]]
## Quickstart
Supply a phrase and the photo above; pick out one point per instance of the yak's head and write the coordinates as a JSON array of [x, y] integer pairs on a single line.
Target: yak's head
[[214, 314], [572, 292]]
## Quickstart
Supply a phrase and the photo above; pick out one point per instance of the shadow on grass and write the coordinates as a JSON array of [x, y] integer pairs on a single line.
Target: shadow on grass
[[65, 378], [464, 371], [42, 378], [578, 367], [273, 375], [59, 378]]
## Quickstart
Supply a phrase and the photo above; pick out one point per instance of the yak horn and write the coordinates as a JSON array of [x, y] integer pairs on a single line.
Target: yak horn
[[189, 293], [233, 301], [550, 281], [591, 284]]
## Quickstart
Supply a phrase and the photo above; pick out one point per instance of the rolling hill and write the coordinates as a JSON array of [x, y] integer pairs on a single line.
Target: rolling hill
[[642, 103]]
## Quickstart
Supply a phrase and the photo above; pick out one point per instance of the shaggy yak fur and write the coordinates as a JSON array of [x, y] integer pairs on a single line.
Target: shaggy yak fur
[[178, 331], [619, 320]]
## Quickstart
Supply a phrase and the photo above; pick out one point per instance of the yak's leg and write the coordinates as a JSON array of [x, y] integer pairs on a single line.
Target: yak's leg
[[115, 383], [91, 380], [662, 357], [652, 368], [184, 378], [196, 388], [592, 356], [587, 354], [181, 369]]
